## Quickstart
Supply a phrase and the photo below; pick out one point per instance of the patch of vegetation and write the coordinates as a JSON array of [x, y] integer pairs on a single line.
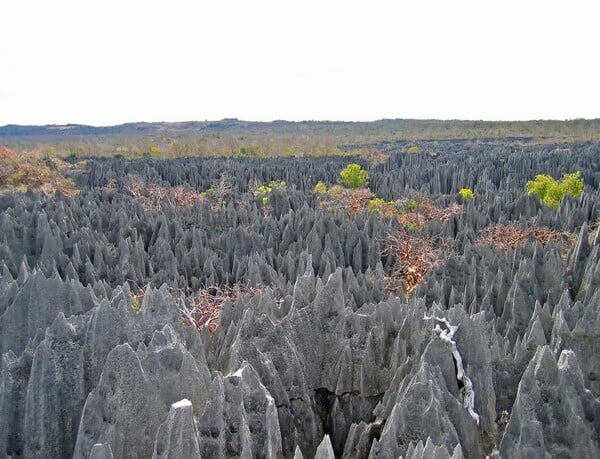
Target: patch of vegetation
[[415, 256], [510, 236], [413, 150], [155, 197], [351, 200], [320, 188], [383, 207], [258, 189], [466, 194], [19, 173], [263, 192], [203, 308], [137, 295], [420, 210], [354, 176], [375, 157], [236, 138], [551, 191]]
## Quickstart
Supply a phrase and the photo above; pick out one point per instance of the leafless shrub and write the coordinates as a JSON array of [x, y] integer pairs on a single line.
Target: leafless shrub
[[353, 201], [376, 157], [415, 255], [223, 187], [154, 197], [203, 308], [421, 210], [511, 236], [253, 185]]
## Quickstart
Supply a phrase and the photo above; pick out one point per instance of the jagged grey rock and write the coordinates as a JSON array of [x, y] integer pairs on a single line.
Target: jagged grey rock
[[177, 437], [240, 419], [325, 450], [323, 360], [550, 410], [101, 451]]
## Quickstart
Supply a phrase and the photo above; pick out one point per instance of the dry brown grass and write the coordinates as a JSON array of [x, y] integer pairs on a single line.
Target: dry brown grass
[[353, 201], [376, 157], [511, 236], [19, 173], [154, 197], [421, 210]]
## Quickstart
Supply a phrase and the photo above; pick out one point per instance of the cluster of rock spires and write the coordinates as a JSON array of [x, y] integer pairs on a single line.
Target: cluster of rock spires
[[323, 362]]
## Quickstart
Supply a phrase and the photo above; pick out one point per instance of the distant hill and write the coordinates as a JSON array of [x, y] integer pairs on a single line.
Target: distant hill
[[185, 127], [121, 129], [237, 138], [396, 128]]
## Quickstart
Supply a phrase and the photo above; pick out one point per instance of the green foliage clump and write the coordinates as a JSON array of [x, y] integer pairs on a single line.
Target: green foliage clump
[[413, 150], [136, 303], [152, 151], [320, 188], [466, 194], [263, 191], [411, 205], [249, 150], [279, 184], [353, 176], [551, 191], [381, 206], [375, 204]]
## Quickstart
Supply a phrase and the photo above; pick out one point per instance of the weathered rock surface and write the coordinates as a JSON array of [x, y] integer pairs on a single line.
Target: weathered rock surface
[[323, 361]]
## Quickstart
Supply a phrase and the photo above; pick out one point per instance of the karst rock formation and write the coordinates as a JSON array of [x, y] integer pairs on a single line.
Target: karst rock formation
[[495, 353]]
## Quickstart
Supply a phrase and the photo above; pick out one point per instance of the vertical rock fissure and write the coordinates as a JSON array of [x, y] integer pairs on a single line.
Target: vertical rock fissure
[[446, 334]]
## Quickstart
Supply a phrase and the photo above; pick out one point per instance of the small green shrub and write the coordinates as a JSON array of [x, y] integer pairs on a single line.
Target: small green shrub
[[264, 191], [353, 176], [336, 192], [136, 303], [551, 191], [413, 150], [320, 188], [411, 205], [151, 151], [279, 184], [466, 194], [375, 204]]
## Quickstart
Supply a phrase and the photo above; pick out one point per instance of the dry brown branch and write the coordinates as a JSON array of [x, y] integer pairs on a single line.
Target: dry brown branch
[[421, 210], [415, 257], [203, 308], [137, 295], [376, 157], [23, 172], [154, 197], [511, 236], [353, 201]]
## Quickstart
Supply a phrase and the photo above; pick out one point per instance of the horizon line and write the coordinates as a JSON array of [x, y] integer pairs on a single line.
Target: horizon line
[[280, 120]]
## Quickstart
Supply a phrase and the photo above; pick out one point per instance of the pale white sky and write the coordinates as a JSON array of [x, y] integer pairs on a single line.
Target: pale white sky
[[108, 62]]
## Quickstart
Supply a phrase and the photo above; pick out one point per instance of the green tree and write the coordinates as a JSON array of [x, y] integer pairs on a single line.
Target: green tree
[[353, 176], [551, 191]]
